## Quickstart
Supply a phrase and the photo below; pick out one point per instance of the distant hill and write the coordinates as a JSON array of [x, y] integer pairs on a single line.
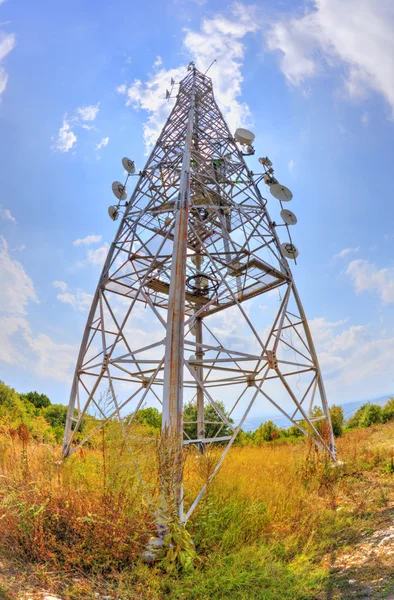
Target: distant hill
[[349, 408]]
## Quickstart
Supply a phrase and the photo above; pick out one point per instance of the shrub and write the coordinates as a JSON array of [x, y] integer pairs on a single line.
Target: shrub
[[337, 420], [149, 416], [56, 415], [371, 415], [210, 416], [388, 411], [38, 400], [266, 432]]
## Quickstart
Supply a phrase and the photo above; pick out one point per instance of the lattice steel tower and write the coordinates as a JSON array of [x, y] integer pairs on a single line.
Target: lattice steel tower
[[177, 314]]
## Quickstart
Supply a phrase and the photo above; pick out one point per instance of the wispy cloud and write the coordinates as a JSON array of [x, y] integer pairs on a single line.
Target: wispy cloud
[[17, 288], [88, 240], [103, 143], [356, 36], [61, 285], [365, 119], [220, 38], [345, 252], [78, 299], [7, 43], [6, 215], [367, 277], [65, 139], [88, 113], [98, 256]]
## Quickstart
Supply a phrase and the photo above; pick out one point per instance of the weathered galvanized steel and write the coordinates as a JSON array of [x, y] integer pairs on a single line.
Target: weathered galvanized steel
[[174, 313]]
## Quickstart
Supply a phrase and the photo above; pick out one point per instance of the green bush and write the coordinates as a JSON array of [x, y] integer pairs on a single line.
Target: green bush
[[210, 416], [56, 415], [266, 432], [337, 420], [149, 416], [38, 400], [372, 414], [366, 415], [388, 411]]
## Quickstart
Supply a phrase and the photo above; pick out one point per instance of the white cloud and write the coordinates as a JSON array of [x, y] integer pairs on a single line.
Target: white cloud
[[355, 36], [13, 328], [3, 80], [6, 215], [346, 252], [61, 285], [290, 165], [103, 143], [88, 240], [7, 43], [16, 289], [65, 139], [98, 256], [53, 360], [354, 365], [88, 113], [158, 61], [122, 89], [79, 300], [367, 277], [18, 345], [220, 38]]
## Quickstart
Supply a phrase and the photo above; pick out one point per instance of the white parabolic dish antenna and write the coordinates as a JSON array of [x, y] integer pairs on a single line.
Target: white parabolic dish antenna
[[113, 212], [281, 192], [288, 217], [129, 165], [244, 136], [119, 190], [289, 250]]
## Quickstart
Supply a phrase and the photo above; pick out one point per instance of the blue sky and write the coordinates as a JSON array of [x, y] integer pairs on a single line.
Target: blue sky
[[83, 84]]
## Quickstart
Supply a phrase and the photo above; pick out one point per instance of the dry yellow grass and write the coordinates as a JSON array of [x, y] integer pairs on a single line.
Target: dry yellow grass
[[89, 517]]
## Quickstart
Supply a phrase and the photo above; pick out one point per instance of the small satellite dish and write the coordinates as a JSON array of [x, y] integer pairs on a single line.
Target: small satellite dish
[[244, 136], [265, 161], [190, 66], [128, 165], [167, 95], [172, 81], [289, 250], [288, 217], [119, 190], [281, 192], [113, 212]]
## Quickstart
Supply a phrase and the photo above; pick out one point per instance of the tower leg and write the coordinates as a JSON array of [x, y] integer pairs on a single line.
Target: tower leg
[[172, 424]]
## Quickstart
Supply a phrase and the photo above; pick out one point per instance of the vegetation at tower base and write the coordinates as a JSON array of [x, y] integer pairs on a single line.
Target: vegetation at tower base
[[279, 522]]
